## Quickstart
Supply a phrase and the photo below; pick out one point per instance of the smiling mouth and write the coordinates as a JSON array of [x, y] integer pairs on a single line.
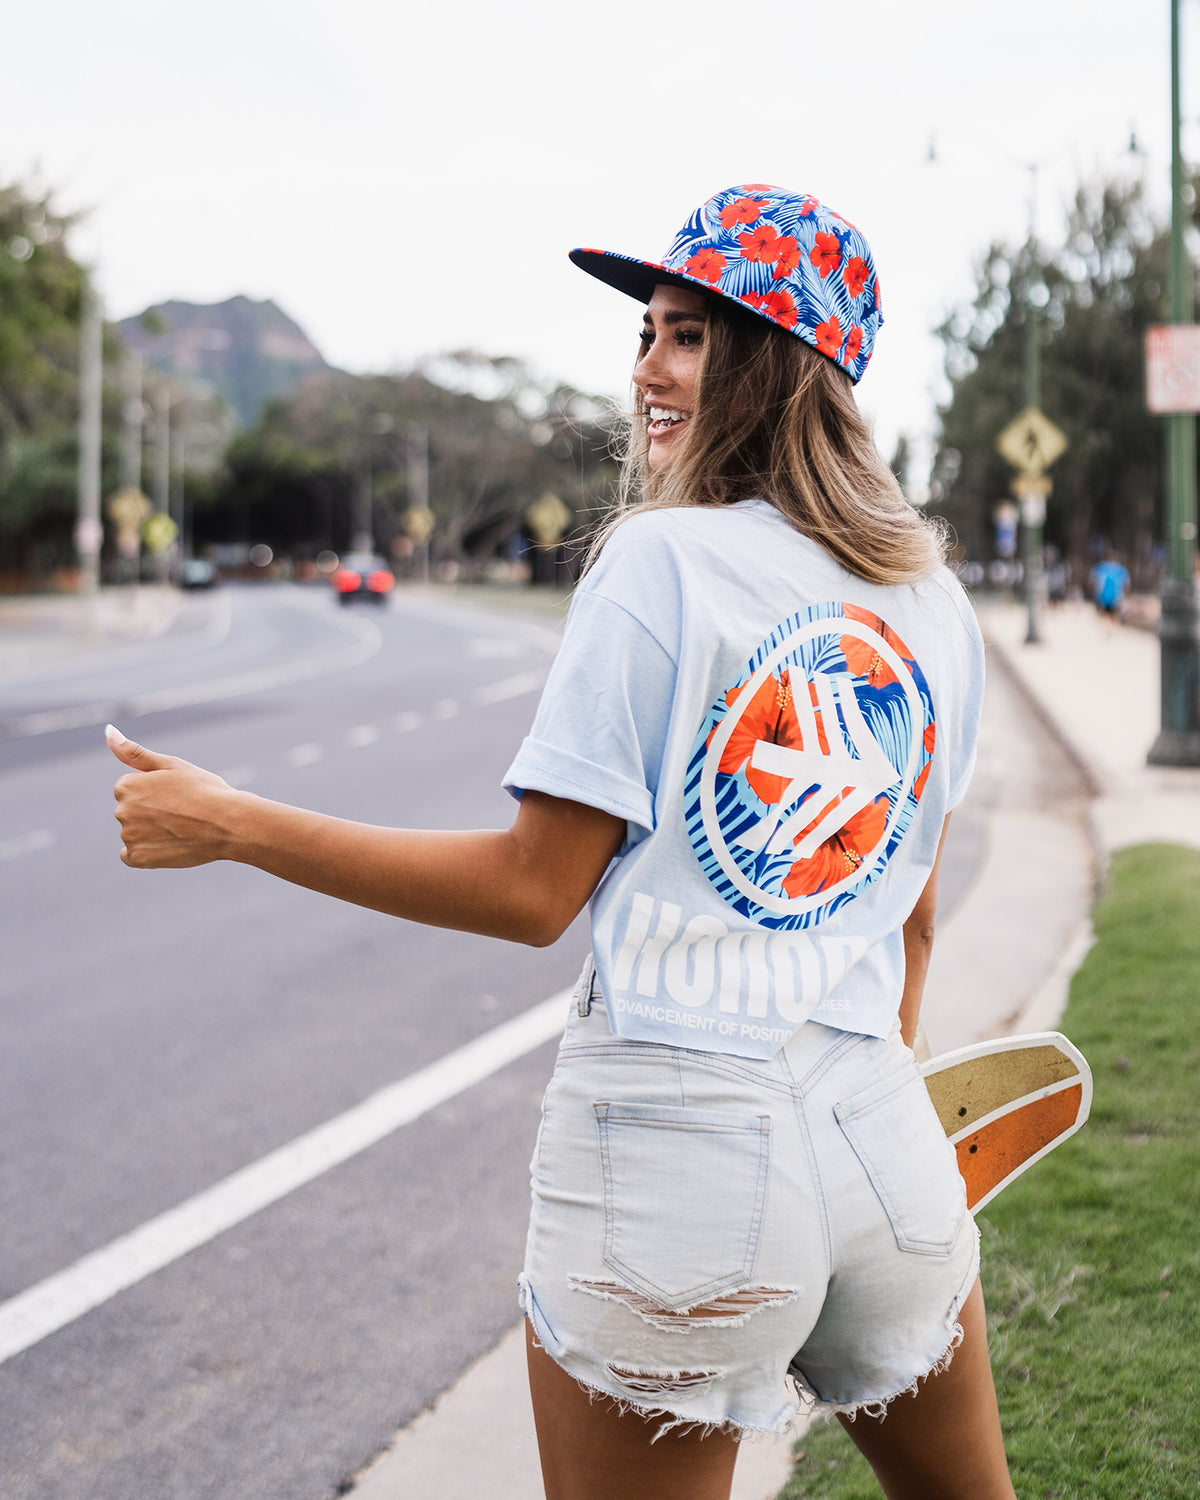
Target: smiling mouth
[[663, 419]]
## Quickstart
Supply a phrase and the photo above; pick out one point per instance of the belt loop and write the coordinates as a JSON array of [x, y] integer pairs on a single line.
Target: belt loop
[[583, 990]]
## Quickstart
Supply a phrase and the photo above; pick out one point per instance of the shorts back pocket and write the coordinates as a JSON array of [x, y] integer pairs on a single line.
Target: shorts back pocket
[[898, 1138], [684, 1196]]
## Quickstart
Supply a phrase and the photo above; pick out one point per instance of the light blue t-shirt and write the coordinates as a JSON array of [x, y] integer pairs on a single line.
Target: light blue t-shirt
[[784, 741]]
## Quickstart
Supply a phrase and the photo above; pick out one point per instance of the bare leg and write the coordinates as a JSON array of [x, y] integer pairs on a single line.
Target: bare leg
[[591, 1451], [944, 1442]]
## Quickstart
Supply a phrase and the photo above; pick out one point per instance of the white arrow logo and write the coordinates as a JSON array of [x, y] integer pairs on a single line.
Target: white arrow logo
[[820, 777]]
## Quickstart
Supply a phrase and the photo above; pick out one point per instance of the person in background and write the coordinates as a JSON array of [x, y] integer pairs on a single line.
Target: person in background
[[1109, 582]]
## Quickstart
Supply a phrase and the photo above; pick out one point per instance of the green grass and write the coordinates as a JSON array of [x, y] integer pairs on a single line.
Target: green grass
[[1092, 1260]]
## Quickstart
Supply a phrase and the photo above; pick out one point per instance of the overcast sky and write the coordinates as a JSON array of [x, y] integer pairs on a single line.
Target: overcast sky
[[404, 179]]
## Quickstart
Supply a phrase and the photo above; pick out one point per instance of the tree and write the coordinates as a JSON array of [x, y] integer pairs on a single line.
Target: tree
[[41, 299], [1098, 291], [334, 456]]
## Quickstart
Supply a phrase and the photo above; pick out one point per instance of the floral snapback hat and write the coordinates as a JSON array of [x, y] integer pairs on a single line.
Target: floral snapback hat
[[783, 255]]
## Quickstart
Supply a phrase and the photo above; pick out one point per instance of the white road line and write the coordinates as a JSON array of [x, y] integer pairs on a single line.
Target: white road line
[[445, 708], [508, 687], [239, 775], [41, 1310], [368, 641], [407, 721], [362, 735], [50, 719], [487, 647], [304, 755], [26, 843]]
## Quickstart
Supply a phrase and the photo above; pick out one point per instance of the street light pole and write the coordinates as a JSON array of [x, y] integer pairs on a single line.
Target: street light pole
[[89, 531], [1178, 742], [1033, 506]]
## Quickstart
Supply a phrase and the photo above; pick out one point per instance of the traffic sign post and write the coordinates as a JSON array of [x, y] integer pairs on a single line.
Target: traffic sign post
[[1031, 443]]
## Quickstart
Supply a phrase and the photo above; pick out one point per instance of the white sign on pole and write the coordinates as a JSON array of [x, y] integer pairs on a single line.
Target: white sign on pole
[[1173, 367]]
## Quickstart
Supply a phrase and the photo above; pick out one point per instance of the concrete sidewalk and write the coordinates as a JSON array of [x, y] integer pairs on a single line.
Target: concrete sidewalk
[[1096, 685], [1052, 819]]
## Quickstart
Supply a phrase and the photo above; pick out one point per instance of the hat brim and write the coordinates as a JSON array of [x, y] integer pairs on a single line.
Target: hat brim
[[636, 278]]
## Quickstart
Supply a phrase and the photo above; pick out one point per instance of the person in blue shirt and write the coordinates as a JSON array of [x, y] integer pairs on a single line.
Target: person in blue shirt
[[1109, 583]]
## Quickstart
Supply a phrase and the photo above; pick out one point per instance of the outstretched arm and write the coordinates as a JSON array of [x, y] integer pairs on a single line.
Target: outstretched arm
[[526, 883], [918, 948]]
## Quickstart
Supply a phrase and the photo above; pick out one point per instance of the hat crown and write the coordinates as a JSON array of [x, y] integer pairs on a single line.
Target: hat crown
[[791, 259]]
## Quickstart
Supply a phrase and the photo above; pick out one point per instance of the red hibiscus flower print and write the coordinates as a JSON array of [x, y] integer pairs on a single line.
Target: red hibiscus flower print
[[927, 739], [770, 715], [829, 337], [780, 306], [787, 255], [855, 275], [807, 204], [877, 294], [853, 344], [862, 658], [840, 855], [826, 253], [742, 211], [761, 243], [706, 265]]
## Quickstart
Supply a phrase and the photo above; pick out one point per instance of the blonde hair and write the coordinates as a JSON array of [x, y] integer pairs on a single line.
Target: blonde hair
[[776, 420]]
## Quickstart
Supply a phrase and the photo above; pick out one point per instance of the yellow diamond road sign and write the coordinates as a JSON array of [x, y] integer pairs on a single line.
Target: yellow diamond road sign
[[548, 519], [1031, 442]]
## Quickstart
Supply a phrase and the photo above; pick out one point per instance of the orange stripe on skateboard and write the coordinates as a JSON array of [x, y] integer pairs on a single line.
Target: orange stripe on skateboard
[[990, 1155]]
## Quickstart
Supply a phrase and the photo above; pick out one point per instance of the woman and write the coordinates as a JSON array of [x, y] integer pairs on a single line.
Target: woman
[[737, 762]]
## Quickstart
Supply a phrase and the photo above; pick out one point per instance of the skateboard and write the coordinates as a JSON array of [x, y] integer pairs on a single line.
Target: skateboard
[[1004, 1104]]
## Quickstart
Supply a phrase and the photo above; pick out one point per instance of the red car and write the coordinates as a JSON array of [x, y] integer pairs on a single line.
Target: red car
[[362, 575]]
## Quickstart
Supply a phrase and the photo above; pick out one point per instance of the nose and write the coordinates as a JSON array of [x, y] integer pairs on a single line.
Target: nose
[[650, 373]]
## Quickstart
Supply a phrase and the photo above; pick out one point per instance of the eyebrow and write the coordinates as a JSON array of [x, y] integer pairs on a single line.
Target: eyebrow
[[678, 317]]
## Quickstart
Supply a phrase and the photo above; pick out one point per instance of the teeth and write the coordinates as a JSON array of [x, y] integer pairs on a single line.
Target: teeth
[[665, 414]]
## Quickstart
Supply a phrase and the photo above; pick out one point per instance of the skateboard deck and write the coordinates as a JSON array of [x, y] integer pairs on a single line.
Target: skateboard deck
[[1003, 1104]]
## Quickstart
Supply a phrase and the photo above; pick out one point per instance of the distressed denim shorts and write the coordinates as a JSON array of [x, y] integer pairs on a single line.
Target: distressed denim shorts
[[723, 1241]]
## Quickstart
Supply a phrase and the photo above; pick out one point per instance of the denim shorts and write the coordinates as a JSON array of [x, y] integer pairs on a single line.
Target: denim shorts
[[724, 1242]]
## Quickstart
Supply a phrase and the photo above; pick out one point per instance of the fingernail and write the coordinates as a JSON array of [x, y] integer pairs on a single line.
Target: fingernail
[[113, 735]]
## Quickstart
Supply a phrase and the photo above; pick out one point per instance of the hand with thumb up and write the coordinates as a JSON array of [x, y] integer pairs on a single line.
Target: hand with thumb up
[[171, 812]]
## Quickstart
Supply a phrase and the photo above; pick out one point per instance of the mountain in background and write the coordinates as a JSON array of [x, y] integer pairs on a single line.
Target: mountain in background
[[249, 352]]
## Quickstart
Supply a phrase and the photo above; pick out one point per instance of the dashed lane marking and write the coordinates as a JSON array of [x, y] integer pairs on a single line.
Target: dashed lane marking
[[239, 775], [407, 721], [304, 755], [508, 687], [60, 1299], [362, 735], [445, 708], [26, 843]]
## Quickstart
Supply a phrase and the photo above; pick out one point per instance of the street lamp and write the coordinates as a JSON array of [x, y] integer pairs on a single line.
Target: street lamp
[[1178, 741]]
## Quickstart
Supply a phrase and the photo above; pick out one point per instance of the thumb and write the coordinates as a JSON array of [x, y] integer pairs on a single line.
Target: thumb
[[133, 755]]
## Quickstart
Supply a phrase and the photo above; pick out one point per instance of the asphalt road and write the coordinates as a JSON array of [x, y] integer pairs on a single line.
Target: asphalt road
[[163, 1029]]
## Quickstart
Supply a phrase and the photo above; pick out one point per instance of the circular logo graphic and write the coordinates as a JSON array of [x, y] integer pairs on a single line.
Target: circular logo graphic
[[806, 773]]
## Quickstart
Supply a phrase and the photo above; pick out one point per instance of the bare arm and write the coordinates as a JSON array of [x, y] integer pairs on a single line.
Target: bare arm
[[526, 883], [918, 948]]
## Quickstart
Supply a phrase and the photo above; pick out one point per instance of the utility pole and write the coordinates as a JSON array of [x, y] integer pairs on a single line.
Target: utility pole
[[132, 414], [89, 529], [162, 443], [1178, 742], [420, 517], [1033, 504]]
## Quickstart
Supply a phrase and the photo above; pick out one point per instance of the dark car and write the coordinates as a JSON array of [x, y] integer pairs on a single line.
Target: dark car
[[363, 575], [198, 573]]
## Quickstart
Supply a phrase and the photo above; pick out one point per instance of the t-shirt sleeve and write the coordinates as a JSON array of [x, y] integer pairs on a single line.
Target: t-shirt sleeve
[[601, 726], [970, 698]]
